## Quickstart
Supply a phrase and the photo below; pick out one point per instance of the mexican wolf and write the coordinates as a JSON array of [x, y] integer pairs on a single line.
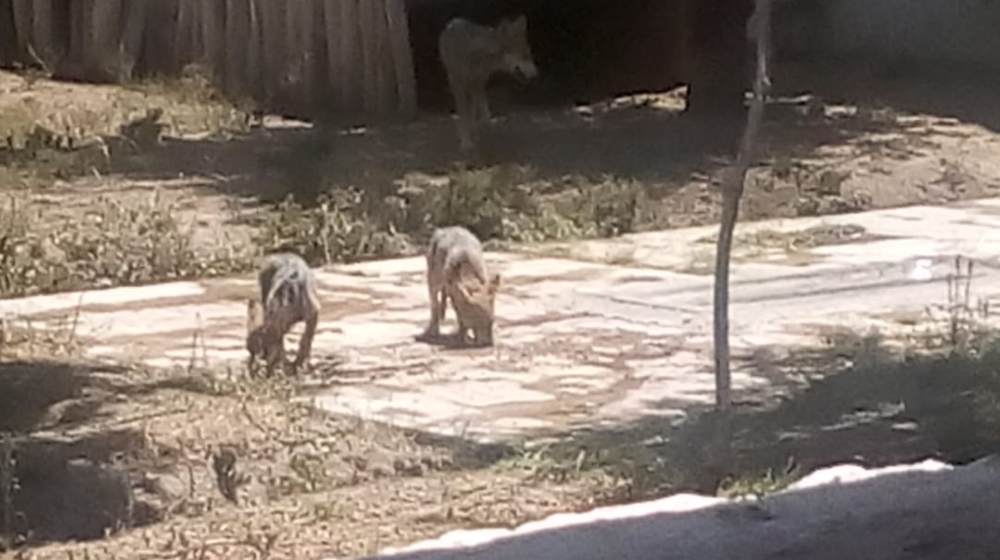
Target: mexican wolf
[[287, 296], [456, 270], [471, 54]]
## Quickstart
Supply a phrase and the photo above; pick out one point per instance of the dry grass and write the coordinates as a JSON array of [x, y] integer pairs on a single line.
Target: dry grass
[[43, 250]]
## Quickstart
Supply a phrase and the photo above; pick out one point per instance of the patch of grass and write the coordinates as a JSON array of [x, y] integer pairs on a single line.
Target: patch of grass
[[114, 244], [334, 230], [498, 204]]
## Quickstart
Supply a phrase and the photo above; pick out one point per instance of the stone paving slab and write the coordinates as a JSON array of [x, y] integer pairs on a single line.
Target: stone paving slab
[[579, 343]]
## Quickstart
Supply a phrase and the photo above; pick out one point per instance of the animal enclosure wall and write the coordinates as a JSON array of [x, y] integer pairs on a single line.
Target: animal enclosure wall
[[343, 56], [920, 32], [376, 58]]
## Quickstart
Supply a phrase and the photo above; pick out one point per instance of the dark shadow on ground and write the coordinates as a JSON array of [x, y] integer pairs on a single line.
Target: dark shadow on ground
[[72, 480], [660, 147], [30, 391], [958, 91], [927, 515], [873, 413]]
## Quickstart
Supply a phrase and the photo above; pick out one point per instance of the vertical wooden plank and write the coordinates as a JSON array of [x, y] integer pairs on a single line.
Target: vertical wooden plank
[[334, 47], [22, 24], [8, 32], [183, 44], [312, 20], [273, 41], [297, 45], [212, 34], [77, 29], [159, 38], [384, 71], [134, 30], [105, 22], [237, 42], [351, 61], [402, 57], [43, 32], [369, 59], [198, 50], [292, 37], [255, 57], [102, 61]]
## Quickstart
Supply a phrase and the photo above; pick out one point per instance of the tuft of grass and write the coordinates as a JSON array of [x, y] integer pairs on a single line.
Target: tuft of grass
[[758, 485]]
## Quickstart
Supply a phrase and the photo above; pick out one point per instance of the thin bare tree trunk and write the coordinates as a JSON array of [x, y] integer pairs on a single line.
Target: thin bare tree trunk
[[759, 30], [720, 462]]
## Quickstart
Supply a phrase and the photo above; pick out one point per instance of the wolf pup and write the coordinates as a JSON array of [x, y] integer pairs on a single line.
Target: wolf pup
[[471, 54], [287, 296], [456, 270]]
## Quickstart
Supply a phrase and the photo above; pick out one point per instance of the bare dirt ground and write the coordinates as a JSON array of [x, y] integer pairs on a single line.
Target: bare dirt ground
[[312, 486]]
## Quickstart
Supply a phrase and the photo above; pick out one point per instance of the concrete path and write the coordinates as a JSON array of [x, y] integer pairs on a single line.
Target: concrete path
[[579, 343]]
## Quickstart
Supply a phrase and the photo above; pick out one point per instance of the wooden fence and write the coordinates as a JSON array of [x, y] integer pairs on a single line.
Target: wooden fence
[[347, 56]]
